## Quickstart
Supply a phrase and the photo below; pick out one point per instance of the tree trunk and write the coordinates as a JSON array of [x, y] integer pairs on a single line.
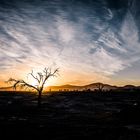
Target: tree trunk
[[39, 98]]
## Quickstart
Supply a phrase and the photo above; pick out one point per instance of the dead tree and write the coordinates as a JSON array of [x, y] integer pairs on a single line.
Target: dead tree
[[100, 86], [41, 78]]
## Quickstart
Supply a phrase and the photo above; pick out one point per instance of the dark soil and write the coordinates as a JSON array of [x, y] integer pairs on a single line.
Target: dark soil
[[79, 115]]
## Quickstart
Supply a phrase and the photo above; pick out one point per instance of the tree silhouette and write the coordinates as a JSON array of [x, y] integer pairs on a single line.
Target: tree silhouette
[[41, 78], [100, 86]]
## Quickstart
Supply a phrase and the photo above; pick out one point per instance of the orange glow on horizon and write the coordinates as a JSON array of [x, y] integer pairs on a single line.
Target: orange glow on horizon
[[67, 77]]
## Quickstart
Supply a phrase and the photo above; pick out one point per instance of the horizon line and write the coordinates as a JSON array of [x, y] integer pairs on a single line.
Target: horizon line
[[8, 87]]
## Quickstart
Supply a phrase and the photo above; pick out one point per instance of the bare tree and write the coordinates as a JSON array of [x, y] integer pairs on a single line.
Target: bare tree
[[41, 78], [100, 86]]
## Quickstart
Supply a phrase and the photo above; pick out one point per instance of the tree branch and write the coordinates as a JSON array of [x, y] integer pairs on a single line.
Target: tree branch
[[41, 79], [21, 83], [35, 77]]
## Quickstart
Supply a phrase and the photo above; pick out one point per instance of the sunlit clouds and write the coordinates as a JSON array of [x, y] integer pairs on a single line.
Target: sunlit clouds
[[92, 40]]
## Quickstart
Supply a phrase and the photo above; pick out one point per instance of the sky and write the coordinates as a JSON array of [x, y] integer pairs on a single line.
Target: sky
[[88, 40]]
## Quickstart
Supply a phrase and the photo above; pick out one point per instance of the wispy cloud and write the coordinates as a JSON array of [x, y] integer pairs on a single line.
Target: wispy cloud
[[71, 36]]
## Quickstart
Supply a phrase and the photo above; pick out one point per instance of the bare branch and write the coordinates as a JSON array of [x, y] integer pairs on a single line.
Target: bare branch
[[20, 83], [100, 86], [40, 77], [35, 77], [48, 75], [26, 84], [55, 73]]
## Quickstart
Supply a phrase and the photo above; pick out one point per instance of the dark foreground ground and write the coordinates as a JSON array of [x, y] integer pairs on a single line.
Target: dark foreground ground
[[79, 115]]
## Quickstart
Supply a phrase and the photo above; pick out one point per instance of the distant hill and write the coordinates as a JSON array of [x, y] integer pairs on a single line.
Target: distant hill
[[64, 87], [6, 88], [130, 87], [93, 86]]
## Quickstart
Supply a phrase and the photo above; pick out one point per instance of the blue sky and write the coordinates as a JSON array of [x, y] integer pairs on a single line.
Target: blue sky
[[89, 40]]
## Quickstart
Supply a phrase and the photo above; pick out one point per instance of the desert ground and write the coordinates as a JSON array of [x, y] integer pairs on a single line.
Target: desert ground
[[67, 115]]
